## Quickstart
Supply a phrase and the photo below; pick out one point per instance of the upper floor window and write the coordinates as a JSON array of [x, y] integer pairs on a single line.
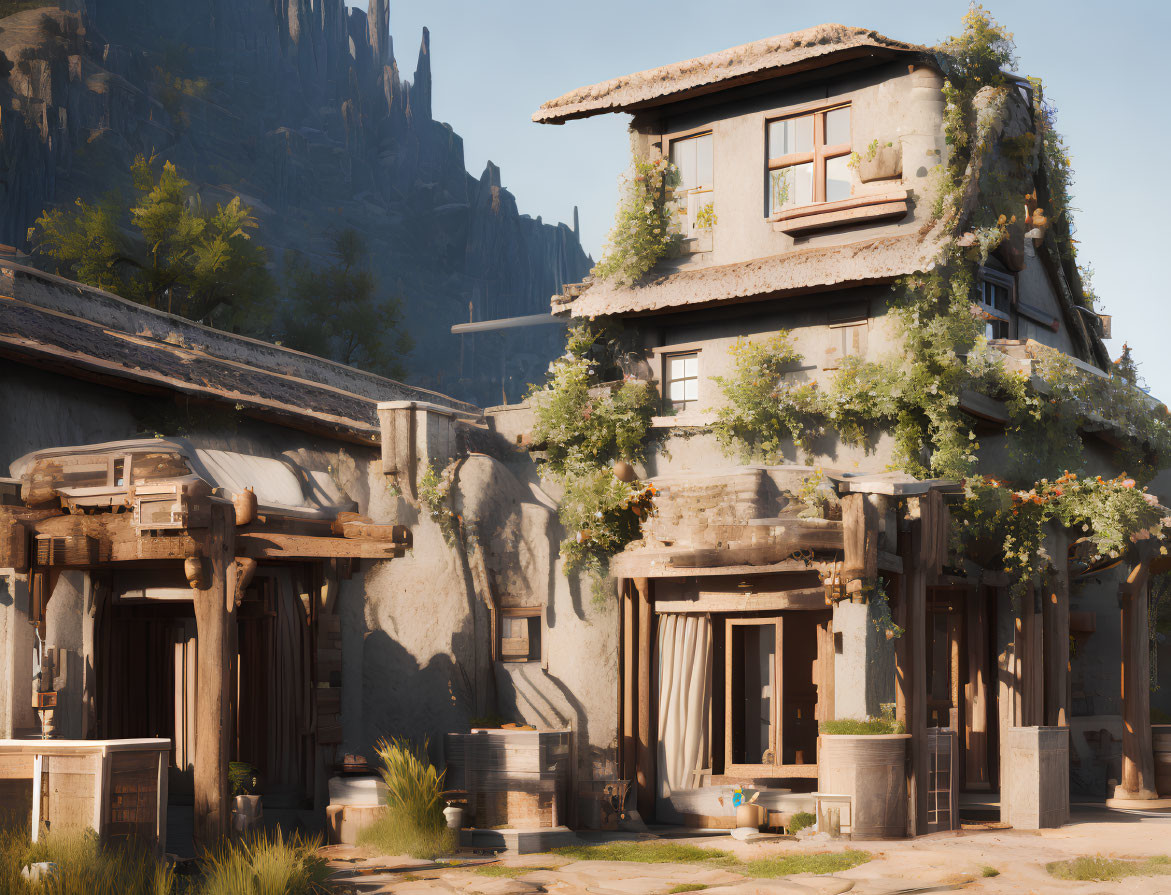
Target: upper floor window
[[808, 159], [994, 292], [694, 196], [680, 381]]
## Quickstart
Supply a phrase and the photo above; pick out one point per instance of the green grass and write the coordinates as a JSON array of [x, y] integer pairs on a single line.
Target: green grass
[[988, 871], [684, 853], [686, 887], [260, 865], [393, 834], [84, 867], [871, 727], [1094, 868], [511, 871]]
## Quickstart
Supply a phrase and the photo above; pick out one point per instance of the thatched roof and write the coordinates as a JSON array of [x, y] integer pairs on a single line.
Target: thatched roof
[[771, 57], [64, 326], [878, 260]]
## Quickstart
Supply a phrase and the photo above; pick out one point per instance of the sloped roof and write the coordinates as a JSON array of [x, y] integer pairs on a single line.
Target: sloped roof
[[876, 260], [770, 57], [79, 331]]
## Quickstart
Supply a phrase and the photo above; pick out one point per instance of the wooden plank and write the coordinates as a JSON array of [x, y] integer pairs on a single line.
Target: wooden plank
[[976, 692], [660, 565], [923, 536], [983, 407], [859, 542], [646, 778], [278, 545], [803, 598]]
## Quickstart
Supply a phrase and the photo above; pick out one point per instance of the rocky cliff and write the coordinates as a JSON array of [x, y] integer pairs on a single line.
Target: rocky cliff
[[298, 106]]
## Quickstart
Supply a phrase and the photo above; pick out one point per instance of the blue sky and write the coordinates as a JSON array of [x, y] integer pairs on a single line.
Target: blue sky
[[1104, 65]]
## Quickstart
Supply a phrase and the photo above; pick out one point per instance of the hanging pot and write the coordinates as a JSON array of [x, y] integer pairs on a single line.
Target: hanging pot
[[245, 504], [624, 472]]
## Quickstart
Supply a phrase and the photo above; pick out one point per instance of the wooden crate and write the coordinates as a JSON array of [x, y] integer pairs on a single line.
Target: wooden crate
[[118, 788]]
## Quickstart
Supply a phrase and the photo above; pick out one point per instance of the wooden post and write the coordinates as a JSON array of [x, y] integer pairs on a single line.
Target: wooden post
[[926, 514], [646, 776], [629, 681], [976, 691], [1056, 612], [859, 543], [215, 620], [1138, 758]]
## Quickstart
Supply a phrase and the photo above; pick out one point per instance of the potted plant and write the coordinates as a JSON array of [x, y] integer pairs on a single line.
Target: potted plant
[[866, 760], [247, 807]]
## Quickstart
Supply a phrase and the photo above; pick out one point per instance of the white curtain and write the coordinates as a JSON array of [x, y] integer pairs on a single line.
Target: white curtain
[[685, 675]]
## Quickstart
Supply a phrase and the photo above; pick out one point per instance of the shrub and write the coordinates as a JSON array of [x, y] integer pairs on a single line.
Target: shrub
[[801, 820], [414, 823], [1098, 869]]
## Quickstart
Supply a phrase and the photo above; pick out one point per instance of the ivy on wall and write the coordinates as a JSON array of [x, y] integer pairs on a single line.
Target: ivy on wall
[[642, 234], [586, 426]]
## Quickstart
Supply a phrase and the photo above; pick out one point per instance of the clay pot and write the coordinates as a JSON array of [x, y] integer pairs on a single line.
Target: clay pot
[[624, 472], [193, 568], [245, 504]]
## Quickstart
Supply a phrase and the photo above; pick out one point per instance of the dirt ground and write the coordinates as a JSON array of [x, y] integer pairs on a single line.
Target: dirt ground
[[940, 862]]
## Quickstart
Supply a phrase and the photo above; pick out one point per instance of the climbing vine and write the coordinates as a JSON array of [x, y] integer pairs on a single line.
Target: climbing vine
[[586, 426], [642, 233]]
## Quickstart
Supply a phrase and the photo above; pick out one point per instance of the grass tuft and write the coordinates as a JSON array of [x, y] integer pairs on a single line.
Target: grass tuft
[[265, 864], [84, 867], [801, 820], [870, 727], [686, 887], [511, 871], [414, 823], [989, 871], [684, 853], [1095, 868]]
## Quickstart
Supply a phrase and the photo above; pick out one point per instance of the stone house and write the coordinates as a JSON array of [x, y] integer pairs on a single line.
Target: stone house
[[809, 167]]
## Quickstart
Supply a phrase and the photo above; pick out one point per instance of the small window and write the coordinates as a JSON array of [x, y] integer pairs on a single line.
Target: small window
[[520, 635], [694, 200], [995, 296], [846, 340], [808, 159], [680, 381]]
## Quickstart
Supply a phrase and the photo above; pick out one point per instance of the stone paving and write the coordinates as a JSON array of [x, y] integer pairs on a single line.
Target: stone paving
[[940, 862]]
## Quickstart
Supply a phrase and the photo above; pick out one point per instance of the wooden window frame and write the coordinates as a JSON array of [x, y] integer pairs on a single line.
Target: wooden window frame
[[669, 407], [691, 238], [997, 278], [819, 156], [528, 613]]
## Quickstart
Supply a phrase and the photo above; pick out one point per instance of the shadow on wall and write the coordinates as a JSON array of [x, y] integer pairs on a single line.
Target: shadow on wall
[[403, 699]]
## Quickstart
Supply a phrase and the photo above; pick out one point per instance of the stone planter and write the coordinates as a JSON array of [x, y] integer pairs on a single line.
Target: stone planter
[[1034, 789], [872, 771]]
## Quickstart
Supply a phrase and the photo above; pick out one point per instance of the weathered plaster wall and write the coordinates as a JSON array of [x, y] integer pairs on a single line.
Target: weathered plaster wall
[[889, 104]]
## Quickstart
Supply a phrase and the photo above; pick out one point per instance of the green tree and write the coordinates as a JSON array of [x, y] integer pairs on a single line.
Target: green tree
[[164, 249], [338, 311]]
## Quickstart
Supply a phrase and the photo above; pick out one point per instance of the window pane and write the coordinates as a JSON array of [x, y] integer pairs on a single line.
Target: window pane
[[792, 186], [676, 391], [683, 156], [690, 389], [790, 135], [703, 160], [837, 126], [691, 366], [837, 178]]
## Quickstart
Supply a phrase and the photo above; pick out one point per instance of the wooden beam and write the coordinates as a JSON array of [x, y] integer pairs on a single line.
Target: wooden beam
[[629, 681], [798, 598], [1138, 758], [278, 545], [215, 621], [646, 778], [976, 689], [922, 561]]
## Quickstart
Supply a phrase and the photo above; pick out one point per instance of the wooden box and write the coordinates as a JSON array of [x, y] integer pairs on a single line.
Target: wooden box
[[118, 788]]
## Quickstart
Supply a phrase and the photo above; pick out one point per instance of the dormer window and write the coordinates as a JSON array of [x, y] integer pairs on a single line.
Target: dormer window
[[808, 159], [693, 201], [994, 293]]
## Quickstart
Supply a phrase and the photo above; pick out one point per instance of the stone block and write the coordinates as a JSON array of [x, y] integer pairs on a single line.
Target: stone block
[[1034, 764]]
